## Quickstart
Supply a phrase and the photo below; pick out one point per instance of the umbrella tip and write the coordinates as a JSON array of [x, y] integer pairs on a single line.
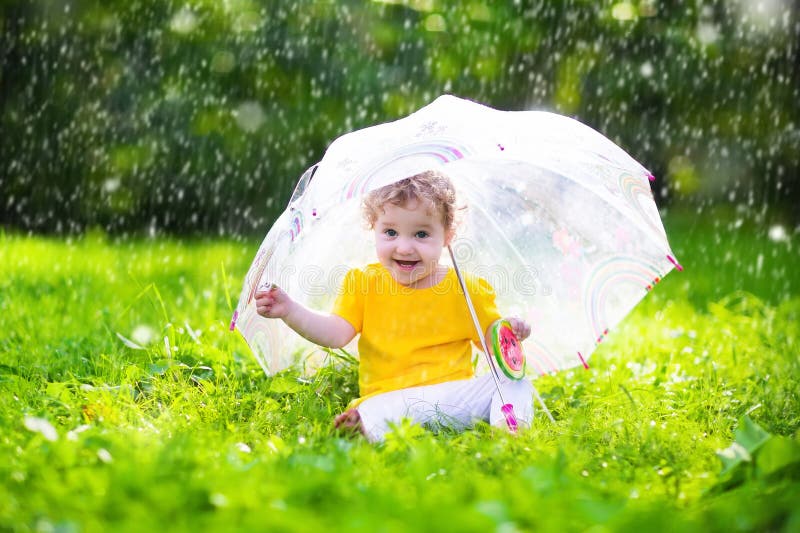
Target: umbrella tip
[[651, 177], [511, 419], [583, 361], [674, 262], [233, 320]]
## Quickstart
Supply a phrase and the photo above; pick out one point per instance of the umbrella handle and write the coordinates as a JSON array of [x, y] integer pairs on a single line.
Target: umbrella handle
[[511, 419], [507, 408], [476, 323]]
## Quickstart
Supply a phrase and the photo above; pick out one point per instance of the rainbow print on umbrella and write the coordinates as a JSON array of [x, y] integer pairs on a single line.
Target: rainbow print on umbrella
[[260, 264], [634, 188], [296, 224], [542, 359], [605, 278], [436, 152], [255, 331]]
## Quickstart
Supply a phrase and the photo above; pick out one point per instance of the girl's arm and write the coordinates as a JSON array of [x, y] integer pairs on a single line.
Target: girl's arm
[[324, 329]]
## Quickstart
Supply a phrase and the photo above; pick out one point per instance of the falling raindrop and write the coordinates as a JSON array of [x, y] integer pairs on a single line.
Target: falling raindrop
[[184, 21], [249, 116]]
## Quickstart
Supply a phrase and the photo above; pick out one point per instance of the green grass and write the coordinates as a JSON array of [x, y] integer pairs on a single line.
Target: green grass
[[99, 436]]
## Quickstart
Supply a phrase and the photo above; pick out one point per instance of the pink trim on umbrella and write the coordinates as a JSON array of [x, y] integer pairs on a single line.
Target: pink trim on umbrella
[[585, 365], [674, 262], [233, 320]]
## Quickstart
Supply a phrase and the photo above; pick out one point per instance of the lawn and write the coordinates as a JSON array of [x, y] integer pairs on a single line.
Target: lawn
[[126, 404]]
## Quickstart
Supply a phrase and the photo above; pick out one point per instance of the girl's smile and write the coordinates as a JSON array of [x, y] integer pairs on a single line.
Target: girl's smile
[[406, 265]]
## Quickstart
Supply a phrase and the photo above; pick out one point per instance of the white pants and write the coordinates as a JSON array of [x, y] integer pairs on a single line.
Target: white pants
[[455, 404]]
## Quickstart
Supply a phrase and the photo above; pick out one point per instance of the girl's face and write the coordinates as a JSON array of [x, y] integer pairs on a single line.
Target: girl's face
[[409, 240]]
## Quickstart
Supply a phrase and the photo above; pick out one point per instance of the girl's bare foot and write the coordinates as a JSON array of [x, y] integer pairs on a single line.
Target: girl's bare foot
[[350, 422]]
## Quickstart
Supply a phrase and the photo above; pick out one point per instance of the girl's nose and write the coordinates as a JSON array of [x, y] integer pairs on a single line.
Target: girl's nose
[[404, 246]]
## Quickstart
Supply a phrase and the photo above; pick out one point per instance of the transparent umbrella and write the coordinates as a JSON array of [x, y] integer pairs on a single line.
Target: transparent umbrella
[[559, 220]]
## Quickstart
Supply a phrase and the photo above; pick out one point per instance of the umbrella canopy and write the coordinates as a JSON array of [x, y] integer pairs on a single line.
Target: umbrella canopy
[[559, 220]]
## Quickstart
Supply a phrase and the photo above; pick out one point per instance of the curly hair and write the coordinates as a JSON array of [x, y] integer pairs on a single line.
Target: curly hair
[[430, 186]]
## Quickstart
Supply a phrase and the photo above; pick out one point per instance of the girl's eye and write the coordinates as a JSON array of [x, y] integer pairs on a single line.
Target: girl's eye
[[422, 234], [391, 233]]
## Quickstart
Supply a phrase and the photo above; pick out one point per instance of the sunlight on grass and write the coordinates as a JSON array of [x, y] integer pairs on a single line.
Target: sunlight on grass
[[127, 404]]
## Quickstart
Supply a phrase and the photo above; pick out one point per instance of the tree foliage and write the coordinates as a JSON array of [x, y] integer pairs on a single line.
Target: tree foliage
[[200, 115]]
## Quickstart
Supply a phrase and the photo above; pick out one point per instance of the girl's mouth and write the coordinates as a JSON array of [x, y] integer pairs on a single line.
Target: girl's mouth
[[406, 265]]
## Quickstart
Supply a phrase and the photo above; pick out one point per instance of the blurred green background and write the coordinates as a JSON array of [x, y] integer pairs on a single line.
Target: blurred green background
[[192, 117]]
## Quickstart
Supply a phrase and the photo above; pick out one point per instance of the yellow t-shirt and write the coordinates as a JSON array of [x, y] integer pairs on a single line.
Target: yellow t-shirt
[[412, 337]]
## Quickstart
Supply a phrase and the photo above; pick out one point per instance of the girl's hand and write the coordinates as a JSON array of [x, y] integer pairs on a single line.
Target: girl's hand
[[273, 303], [324, 329], [350, 421], [521, 329]]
